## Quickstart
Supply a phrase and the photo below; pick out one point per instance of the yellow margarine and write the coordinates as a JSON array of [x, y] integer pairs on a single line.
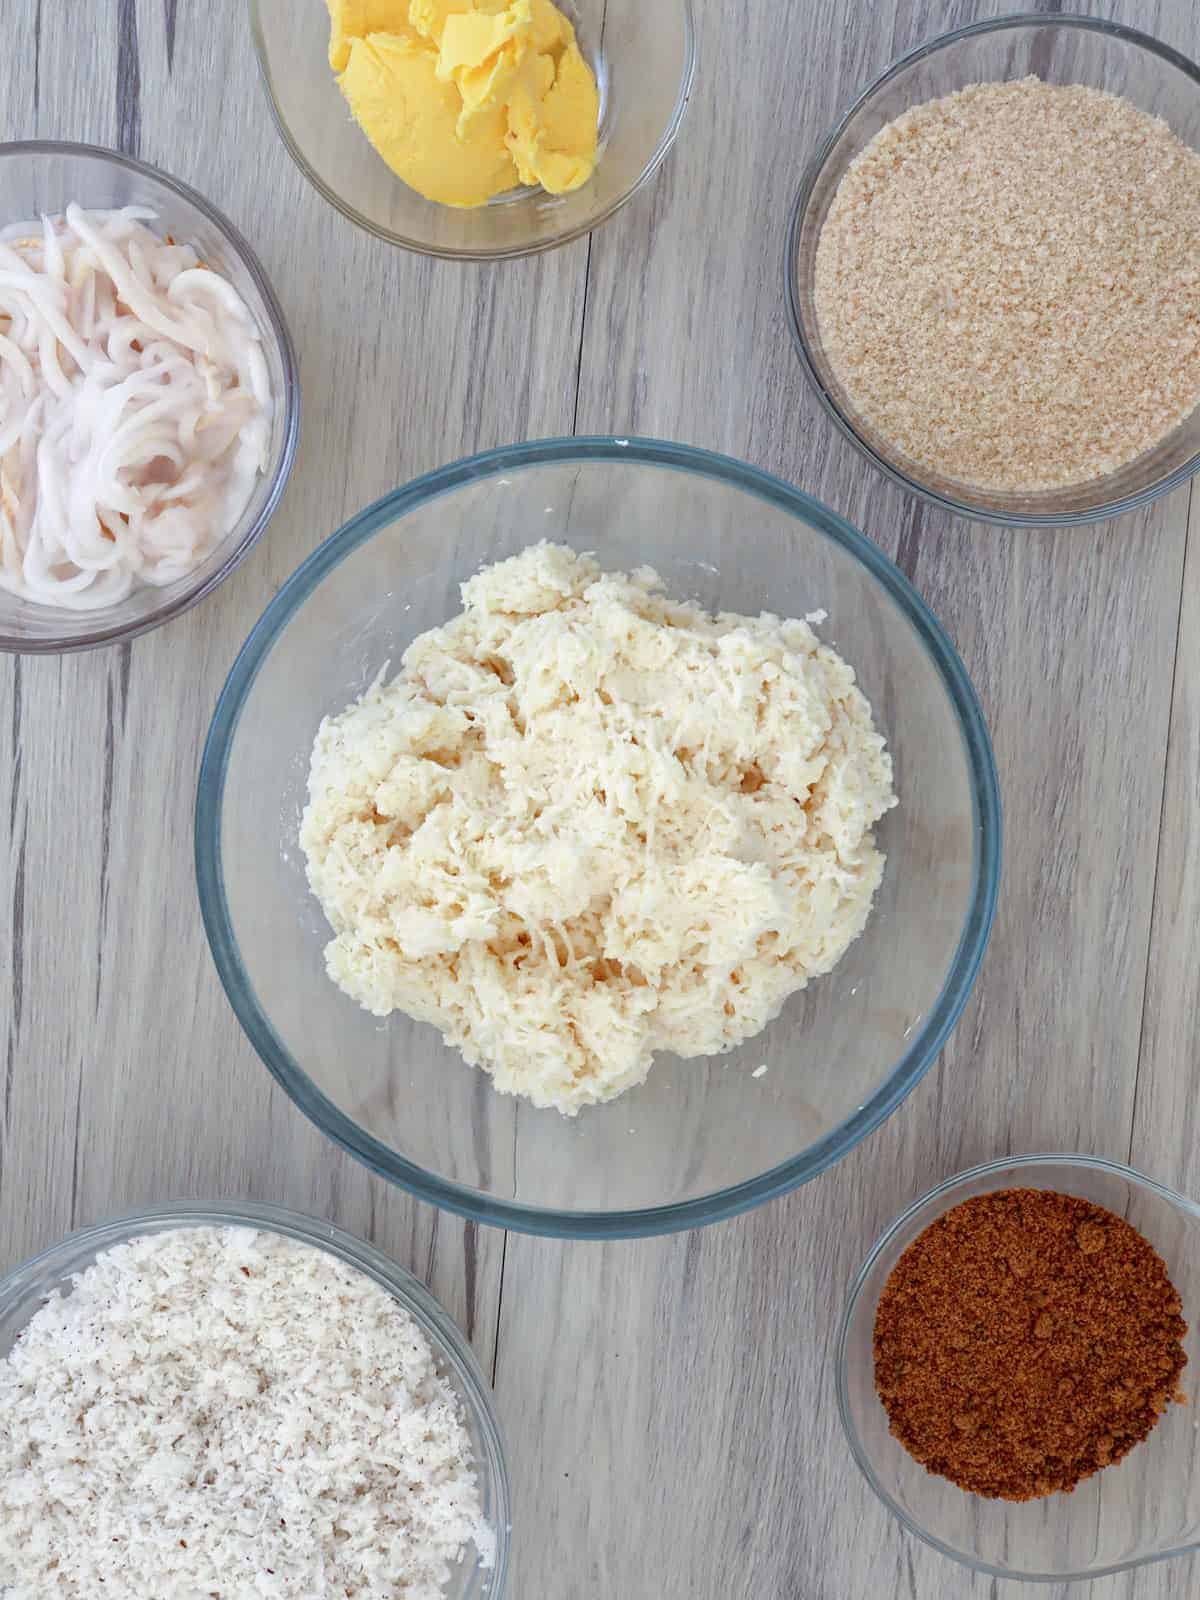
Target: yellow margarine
[[355, 19], [465, 99]]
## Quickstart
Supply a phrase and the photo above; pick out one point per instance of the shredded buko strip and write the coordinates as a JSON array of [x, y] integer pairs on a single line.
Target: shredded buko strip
[[135, 408], [223, 1413], [585, 824], [1008, 284]]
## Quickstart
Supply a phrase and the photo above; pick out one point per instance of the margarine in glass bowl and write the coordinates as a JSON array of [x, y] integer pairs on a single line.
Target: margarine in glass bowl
[[643, 59]]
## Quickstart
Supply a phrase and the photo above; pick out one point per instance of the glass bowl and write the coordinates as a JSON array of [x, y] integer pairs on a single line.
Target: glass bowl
[[644, 57], [37, 177], [1062, 50], [699, 1139], [25, 1290], [1144, 1508]]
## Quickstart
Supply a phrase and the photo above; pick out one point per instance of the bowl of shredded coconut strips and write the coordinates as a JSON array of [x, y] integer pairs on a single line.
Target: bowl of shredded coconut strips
[[993, 270], [597, 837], [149, 401], [224, 1401]]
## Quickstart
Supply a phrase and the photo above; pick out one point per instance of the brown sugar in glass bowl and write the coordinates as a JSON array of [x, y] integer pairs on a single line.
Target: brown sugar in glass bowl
[[1025, 1340], [995, 292], [1141, 1508]]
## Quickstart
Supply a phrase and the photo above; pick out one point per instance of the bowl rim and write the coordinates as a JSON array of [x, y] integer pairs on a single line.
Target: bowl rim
[[643, 1221], [508, 252], [277, 329], [948, 1186], [405, 1287], [796, 324]]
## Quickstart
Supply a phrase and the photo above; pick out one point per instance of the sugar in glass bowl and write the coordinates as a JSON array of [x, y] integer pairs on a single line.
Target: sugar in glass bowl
[[1144, 1508], [700, 1139], [25, 1290], [644, 57], [44, 177], [1059, 50]]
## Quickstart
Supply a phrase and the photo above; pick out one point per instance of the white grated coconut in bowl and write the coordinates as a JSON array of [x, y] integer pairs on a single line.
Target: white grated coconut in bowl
[[228, 1414], [584, 824]]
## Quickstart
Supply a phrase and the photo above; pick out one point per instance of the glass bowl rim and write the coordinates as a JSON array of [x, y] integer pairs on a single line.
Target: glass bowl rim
[[508, 252], [812, 174], [957, 1181], [643, 1222], [404, 1286], [277, 330]]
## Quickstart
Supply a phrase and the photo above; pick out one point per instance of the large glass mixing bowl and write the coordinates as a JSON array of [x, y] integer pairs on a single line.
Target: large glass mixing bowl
[[699, 1139]]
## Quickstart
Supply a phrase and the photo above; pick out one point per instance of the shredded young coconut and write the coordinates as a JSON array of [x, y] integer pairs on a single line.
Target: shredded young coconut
[[585, 824], [135, 408], [227, 1414]]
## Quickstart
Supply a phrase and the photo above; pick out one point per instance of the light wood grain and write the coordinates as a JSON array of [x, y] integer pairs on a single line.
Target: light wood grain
[[1166, 1130], [697, 1370], [125, 1076], [668, 1403]]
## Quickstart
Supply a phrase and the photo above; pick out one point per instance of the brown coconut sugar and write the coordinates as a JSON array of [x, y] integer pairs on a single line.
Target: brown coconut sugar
[[1024, 1340], [1008, 284]]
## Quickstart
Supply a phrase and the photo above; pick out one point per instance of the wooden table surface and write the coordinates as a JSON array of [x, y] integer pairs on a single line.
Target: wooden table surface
[[668, 1403]]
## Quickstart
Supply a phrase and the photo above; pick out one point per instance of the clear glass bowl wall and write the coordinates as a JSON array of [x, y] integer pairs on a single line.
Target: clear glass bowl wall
[[26, 1289], [1144, 1508], [644, 58], [37, 178], [1058, 50], [700, 1139]]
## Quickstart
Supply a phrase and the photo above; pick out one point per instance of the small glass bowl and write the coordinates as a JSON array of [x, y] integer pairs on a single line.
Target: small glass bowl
[[644, 57], [1144, 1508], [44, 176], [25, 1290], [1068, 50]]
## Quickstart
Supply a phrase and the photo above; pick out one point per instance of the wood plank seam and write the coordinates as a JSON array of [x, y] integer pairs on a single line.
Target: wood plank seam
[[1163, 842]]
